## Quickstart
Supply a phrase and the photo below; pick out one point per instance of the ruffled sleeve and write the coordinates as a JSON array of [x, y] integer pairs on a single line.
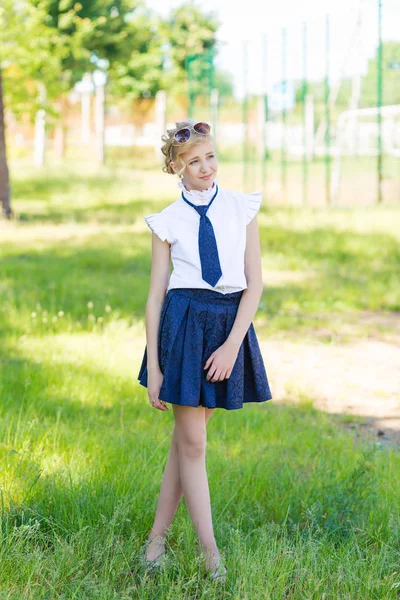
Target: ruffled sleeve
[[253, 203], [156, 223]]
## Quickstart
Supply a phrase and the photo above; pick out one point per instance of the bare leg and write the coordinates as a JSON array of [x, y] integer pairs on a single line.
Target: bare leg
[[190, 427], [169, 498]]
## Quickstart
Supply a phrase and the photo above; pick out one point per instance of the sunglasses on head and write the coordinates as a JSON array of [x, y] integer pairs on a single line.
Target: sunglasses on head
[[183, 135]]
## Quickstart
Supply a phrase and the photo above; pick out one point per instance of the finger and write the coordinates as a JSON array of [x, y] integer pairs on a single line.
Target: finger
[[211, 372], [217, 375], [209, 361], [161, 404], [223, 375], [157, 404]]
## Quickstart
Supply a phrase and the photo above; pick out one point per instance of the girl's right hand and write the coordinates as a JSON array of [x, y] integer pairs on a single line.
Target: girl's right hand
[[154, 383]]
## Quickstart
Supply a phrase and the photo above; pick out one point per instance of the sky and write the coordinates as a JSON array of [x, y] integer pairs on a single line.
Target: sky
[[257, 25]]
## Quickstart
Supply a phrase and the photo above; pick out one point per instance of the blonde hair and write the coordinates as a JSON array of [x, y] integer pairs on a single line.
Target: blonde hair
[[173, 151]]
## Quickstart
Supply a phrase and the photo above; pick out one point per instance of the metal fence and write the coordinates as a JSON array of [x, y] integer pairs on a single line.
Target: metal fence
[[314, 118], [318, 114]]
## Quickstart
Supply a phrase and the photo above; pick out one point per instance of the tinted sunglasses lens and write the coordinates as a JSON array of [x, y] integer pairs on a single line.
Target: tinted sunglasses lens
[[202, 128], [182, 135]]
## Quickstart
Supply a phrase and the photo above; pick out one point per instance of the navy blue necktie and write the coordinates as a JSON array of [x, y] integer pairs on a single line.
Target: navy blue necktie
[[208, 250]]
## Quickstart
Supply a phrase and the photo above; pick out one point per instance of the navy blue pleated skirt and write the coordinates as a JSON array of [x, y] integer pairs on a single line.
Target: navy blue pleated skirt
[[193, 324]]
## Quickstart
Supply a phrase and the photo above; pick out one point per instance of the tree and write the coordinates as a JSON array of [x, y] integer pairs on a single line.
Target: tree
[[189, 32], [50, 44], [4, 175], [117, 36], [25, 43], [140, 74], [110, 30]]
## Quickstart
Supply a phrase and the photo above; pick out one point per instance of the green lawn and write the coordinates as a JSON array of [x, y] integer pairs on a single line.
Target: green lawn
[[301, 509]]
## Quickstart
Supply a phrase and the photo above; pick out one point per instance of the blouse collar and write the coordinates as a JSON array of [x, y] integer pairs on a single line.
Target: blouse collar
[[198, 197]]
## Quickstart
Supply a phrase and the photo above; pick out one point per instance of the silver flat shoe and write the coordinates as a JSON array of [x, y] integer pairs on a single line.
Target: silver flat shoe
[[152, 565], [218, 574]]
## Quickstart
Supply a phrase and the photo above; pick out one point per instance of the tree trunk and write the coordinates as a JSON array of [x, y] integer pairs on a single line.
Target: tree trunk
[[4, 176], [99, 106], [40, 138], [60, 136]]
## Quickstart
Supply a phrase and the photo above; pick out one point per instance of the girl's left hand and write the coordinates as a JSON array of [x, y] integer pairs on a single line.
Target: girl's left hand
[[221, 362]]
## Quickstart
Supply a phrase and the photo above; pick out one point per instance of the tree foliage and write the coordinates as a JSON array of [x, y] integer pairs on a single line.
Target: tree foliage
[[31, 56], [50, 44], [116, 35], [190, 36]]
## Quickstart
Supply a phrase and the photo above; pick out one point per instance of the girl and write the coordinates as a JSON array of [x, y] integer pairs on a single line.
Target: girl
[[202, 351]]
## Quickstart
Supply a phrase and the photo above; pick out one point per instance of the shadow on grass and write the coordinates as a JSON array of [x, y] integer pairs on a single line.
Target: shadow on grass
[[47, 414], [65, 197], [44, 185], [126, 212], [355, 270], [105, 269], [349, 272]]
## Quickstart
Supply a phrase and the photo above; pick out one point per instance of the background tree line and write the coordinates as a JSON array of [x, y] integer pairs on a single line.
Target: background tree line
[[46, 46]]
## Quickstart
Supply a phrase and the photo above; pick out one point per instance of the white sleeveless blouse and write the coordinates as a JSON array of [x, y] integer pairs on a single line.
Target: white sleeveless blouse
[[178, 224]]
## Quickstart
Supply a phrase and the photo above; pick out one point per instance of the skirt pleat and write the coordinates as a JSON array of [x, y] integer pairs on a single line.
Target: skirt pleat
[[193, 324], [190, 383]]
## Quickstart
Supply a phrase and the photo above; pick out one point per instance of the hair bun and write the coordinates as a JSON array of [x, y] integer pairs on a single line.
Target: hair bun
[[180, 124]]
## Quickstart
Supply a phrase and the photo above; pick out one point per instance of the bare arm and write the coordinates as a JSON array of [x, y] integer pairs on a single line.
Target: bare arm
[[220, 363], [252, 295], [160, 269]]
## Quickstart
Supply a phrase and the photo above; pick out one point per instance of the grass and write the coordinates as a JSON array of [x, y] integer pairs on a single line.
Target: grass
[[300, 508]]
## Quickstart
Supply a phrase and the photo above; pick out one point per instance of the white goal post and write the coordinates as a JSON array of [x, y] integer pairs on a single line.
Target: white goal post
[[348, 141]]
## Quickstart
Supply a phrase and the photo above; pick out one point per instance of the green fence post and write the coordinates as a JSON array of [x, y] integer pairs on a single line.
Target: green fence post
[[245, 116], [327, 116], [283, 137], [265, 123], [304, 99], [191, 93], [379, 102]]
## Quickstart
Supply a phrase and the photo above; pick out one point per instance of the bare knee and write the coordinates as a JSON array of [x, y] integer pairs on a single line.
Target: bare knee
[[192, 442], [192, 448], [191, 433]]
